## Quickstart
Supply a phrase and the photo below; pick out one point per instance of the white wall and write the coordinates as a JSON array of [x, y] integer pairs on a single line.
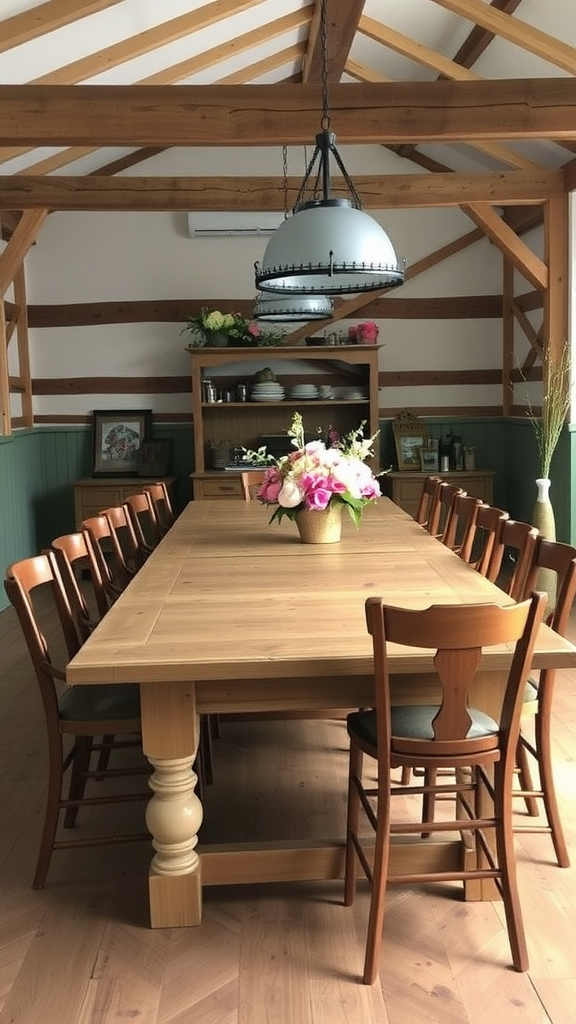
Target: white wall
[[98, 257]]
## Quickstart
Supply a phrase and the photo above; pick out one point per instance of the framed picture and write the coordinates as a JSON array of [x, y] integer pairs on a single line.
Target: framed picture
[[155, 457], [429, 460], [118, 435], [410, 434]]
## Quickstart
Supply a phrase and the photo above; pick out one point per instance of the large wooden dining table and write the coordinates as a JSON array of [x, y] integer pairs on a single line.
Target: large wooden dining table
[[230, 614]]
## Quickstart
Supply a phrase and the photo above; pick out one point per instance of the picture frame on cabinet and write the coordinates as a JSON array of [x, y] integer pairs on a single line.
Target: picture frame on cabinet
[[410, 435], [117, 439], [429, 462], [156, 457]]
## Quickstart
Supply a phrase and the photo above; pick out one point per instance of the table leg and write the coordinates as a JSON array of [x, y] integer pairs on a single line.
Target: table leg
[[170, 736]]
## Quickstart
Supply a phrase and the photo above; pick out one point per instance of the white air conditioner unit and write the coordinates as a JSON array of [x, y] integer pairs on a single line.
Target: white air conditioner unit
[[232, 225]]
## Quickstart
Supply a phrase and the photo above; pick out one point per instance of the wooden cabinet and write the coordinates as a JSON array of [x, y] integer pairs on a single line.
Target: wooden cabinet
[[405, 488], [92, 494], [220, 425]]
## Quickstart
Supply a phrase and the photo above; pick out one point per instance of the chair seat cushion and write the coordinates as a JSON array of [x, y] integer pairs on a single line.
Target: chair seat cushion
[[100, 703], [530, 691], [415, 722]]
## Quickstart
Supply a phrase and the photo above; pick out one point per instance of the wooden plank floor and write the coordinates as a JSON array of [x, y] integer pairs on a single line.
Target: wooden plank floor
[[81, 952]]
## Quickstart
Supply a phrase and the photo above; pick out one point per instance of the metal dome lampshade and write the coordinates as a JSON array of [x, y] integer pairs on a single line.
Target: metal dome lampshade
[[329, 246], [288, 308]]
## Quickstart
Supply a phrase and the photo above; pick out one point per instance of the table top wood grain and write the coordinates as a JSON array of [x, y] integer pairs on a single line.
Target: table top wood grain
[[228, 596]]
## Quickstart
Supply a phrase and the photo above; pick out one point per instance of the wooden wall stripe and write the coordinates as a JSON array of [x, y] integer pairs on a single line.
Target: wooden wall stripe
[[461, 307], [182, 385]]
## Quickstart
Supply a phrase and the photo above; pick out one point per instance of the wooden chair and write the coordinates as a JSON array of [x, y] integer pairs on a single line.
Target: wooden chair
[[79, 713], [559, 559], [517, 543], [108, 555], [132, 555], [162, 505], [441, 512], [461, 519], [483, 538], [251, 480], [452, 735], [75, 550], [142, 514], [428, 500]]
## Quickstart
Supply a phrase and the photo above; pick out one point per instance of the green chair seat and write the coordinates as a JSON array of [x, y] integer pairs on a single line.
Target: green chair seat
[[415, 722], [109, 702]]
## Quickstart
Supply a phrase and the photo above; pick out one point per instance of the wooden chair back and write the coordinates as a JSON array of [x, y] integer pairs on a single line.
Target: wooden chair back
[[428, 499], [108, 555], [441, 511], [132, 555], [162, 505], [461, 520], [517, 541], [458, 634], [142, 514], [74, 552], [483, 539], [251, 480]]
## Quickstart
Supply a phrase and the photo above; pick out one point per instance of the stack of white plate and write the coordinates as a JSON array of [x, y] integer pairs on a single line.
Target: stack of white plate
[[267, 391], [354, 394], [304, 392]]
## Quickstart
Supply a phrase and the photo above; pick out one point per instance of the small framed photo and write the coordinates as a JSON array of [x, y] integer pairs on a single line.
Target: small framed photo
[[410, 434], [118, 435], [155, 457], [429, 460]]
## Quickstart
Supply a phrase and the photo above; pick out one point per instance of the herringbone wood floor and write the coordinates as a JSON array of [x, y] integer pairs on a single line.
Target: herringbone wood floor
[[80, 952]]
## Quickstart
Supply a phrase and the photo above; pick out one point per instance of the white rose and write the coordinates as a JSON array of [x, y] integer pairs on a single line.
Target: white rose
[[290, 496]]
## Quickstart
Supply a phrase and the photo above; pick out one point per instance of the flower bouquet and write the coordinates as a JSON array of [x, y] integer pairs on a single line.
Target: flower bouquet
[[238, 331], [318, 474]]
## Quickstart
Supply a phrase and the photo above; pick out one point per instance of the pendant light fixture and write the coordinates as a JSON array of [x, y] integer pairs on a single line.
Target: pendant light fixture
[[329, 246], [288, 308]]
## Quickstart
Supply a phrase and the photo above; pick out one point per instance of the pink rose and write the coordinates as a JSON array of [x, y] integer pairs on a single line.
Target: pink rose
[[270, 487]]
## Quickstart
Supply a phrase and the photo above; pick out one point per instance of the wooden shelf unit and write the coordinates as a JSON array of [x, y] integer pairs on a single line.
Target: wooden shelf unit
[[405, 487], [243, 423]]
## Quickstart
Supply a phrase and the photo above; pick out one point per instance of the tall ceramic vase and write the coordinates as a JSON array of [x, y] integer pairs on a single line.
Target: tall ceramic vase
[[320, 527], [543, 519]]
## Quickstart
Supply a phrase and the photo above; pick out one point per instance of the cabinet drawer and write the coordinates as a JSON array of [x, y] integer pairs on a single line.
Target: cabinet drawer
[[227, 488]]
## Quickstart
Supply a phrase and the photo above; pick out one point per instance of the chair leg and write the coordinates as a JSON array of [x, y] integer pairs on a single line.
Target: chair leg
[[53, 798], [543, 747], [406, 776], [525, 778], [104, 755], [353, 817], [79, 767], [378, 898], [507, 863]]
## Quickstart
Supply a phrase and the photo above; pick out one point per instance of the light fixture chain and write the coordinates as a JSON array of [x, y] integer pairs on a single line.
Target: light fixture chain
[[285, 178], [324, 47]]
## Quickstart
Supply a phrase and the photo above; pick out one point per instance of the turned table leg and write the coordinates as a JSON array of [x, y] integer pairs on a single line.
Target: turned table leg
[[170, 736]]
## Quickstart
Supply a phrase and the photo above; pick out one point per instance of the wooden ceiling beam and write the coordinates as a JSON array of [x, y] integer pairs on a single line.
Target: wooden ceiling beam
[[540, 43], [265, 115], [480, 38], [341, 27], [46, 17], [97, 192]]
